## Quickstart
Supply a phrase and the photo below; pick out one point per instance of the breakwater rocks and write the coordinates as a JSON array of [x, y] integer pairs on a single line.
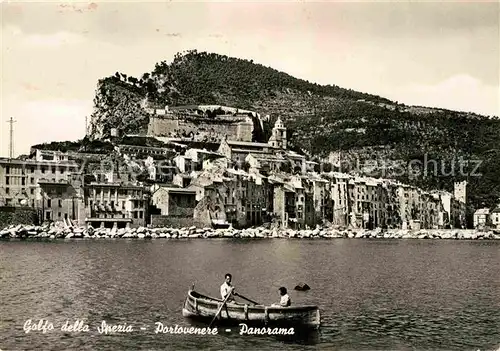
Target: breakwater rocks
[[65, 232]]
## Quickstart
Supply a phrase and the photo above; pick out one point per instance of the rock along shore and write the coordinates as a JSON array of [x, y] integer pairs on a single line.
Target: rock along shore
[[55, 231]]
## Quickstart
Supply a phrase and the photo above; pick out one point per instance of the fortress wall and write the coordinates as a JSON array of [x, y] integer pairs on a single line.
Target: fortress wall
[[162, 126], [201, 130]]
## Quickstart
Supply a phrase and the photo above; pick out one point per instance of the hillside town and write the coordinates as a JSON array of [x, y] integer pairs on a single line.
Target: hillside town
[[205, 171]]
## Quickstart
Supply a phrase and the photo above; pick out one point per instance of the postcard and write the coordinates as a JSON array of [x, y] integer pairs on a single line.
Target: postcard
[[200, 175]]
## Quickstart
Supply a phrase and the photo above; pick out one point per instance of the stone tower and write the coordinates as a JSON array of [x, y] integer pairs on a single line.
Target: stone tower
[[244, 130], [460, 191], [278, 137]]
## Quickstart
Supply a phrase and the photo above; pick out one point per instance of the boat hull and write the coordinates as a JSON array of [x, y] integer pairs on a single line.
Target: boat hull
[[204, 308]]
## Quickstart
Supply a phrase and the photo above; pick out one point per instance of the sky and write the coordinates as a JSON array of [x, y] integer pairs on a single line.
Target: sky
[[438, 54]]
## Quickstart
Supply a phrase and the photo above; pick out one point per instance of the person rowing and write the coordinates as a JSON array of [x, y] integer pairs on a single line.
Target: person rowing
[[226, 288]]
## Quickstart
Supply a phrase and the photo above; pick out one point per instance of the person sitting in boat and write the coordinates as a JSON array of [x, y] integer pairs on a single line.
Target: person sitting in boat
[[226, 288], [285, 300]]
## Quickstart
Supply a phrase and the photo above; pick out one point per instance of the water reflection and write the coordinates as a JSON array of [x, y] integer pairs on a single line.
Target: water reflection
[[373, 294]]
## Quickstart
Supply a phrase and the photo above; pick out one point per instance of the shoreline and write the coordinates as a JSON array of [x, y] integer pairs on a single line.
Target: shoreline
[[61, 232]]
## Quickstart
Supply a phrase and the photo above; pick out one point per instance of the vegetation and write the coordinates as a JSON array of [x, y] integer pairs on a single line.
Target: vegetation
[[142, 141], [84, 145], [320, 119]]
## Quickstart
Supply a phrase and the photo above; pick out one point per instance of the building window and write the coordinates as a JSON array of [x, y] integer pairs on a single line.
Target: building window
[[140, 214], [23, 181], [32, 169], [49, 203], [32, 191], [47, 215], [7, 180], [43, 169], [53, 170], [59, 214], [7, 170], [60, 203]]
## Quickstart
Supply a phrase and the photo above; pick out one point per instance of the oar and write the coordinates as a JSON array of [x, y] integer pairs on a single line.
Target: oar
[[220, 308], [246, 298]]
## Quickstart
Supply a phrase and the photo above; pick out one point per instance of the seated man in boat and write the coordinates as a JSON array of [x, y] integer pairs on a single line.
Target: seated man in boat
[[285, 300], [226, 288]]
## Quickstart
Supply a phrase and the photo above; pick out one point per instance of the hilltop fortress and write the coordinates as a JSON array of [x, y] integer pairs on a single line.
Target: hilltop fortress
[[202, 123]]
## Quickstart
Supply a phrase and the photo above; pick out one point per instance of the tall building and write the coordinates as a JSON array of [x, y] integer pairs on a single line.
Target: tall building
[[22, 181], [110, 202], [460, 191]]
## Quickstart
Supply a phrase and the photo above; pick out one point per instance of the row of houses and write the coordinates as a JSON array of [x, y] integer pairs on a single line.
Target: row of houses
[[235, 183], [225, 195], [487, 218], [60, 190]]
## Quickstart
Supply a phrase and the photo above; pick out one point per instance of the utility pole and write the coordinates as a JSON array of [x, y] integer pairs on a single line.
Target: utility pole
[[11, 121]]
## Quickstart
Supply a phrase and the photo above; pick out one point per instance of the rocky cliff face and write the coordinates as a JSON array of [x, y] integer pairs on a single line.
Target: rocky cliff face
[[320, 119], [117, 105]]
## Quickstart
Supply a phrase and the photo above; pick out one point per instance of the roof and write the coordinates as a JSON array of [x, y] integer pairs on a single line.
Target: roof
[[496, 210], [273, 180], [203, 151], [314, 177], [247, 151], [32, 162], [293, 154], [237, 172], [440, 192], [146, 147], [482, 211], [179, 190], [248, 143], [267, 157]]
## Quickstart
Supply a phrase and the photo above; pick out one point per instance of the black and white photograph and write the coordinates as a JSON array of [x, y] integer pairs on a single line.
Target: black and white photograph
[[250, 175]]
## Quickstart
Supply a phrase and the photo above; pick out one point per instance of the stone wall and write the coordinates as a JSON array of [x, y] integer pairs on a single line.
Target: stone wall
[[17, 215], [201, 130]]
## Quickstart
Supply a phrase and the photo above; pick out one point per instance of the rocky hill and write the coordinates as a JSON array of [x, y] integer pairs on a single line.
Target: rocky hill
[[360, 127]]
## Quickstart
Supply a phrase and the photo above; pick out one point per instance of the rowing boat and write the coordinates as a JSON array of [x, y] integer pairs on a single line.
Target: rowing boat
[[201, 307]]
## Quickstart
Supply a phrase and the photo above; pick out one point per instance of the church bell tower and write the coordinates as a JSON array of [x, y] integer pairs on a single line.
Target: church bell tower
[[278, 137]]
